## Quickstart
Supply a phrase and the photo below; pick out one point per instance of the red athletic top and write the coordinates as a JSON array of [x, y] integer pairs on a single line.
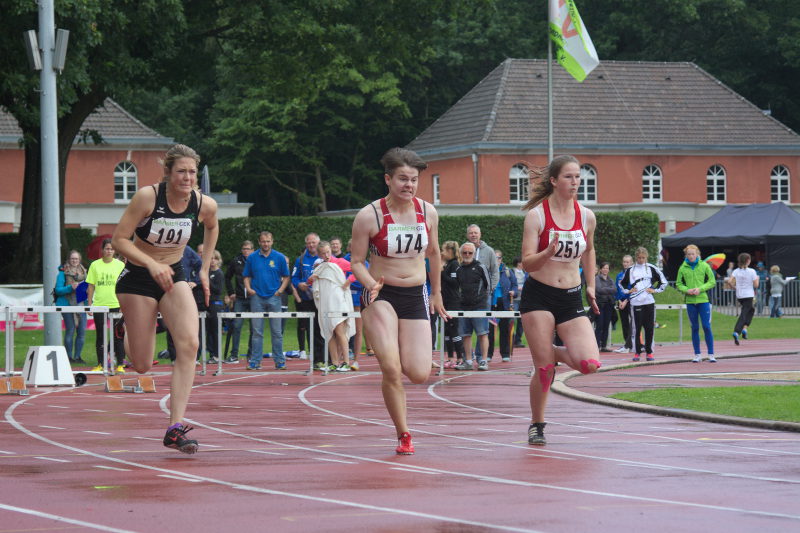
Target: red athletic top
[[571, 244], [399, 240]]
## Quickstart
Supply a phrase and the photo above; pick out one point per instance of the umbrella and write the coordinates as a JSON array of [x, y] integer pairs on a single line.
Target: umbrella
[[716, 260]]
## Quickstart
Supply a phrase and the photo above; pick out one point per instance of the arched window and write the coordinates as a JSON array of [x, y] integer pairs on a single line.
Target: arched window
[[715, 184], [518, 184], [651, 184], [436, 189], [587, 192], [779, 184], [125, 174]]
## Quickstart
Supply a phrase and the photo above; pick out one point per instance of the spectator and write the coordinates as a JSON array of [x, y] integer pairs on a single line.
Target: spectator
[[485, 255], [604, 291], [728, 293], [761, 293], [102, 280], [303, 268], [234, 283], [451, 297], [70, 275], [330, 283], [266, 276], [623, 305], [359, 339], [695, 278], [336, 247], [640, 282], [744, 280], [474, 282], [504, 294], [520, 276], [216, 282], [776, 284]]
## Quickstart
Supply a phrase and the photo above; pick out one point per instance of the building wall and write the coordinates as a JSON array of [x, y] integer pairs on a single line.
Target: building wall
[[90, 173]]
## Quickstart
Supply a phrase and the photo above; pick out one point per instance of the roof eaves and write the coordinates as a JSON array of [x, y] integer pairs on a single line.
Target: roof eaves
[[498, 99]]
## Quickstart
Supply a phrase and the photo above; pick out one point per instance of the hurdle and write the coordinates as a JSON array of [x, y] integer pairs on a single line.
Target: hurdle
[[10, 315], [248, 314]]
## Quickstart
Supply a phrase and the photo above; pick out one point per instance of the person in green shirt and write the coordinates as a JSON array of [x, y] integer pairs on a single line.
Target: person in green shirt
[[102, 280], [695, 279]]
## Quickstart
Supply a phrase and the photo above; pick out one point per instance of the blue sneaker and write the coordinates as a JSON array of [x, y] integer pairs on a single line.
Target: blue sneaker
[[280, 366], [736, 338], [253, 366]]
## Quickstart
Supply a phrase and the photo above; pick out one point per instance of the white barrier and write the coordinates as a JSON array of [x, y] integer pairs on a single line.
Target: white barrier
[[11, 311], [248, 314]]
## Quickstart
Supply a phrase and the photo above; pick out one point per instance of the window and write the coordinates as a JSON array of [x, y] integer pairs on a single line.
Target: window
[[124, 181], [518, 184], [779, 184], [651, 184], [436, 189], [715, 185], [587, 192]]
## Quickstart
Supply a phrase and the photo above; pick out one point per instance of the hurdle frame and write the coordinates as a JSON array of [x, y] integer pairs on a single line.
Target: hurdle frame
[[12, 310], [264, 315]]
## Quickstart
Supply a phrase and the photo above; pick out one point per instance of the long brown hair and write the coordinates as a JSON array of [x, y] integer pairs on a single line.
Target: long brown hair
[[544, 187]]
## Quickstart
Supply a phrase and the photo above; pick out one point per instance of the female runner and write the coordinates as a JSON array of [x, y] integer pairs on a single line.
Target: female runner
[[400, 231], [558, 234], [162, 218]]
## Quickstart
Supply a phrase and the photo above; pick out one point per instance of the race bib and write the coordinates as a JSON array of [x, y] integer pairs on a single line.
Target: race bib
[[170, 232], [406, 240], [571, 245]]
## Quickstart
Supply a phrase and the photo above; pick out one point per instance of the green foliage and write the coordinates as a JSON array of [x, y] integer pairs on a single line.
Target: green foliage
[[78, 239], [500, 232], [620, 233]]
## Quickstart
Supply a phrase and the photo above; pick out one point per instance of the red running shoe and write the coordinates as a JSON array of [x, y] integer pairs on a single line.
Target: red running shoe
[[405, 446]]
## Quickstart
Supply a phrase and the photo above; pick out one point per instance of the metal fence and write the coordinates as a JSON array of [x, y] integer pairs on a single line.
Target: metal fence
[[725, 302]]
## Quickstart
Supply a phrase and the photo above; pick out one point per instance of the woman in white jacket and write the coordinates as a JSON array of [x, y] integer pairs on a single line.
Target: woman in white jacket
[[331, 289]]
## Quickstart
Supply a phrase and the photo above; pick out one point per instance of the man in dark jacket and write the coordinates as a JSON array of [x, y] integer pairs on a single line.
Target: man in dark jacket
[[234, 283], [474, 281]]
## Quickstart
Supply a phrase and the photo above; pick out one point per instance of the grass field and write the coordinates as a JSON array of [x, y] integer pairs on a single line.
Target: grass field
[[776, 402]]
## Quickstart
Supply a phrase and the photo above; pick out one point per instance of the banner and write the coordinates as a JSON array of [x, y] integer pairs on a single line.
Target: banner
[[574, 49], [24, 296]]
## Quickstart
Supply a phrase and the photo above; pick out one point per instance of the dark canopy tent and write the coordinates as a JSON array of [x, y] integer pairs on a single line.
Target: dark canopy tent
[[773, 229]]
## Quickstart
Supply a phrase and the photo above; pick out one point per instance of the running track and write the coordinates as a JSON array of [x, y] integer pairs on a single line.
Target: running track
[[288, 452]]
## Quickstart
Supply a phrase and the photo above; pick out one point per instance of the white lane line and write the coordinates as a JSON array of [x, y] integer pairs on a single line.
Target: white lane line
[[104, 467], [499, 430], [277, 429], [51, 427], [335, 434], [415, 471], [63, 519], [52, 459], [266, 452], [223, 423], [146, 438], [552, 457], [737, 452], [135, 414], [328, 459], [180, 478], [472, 448], [96, 432], [231, 407], [58, 406], [8, 453], [96, 410], [240, 394]]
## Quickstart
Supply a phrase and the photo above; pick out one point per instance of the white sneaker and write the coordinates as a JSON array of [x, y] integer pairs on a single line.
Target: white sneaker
[[622, 349], [712, 359], [697, 358], [483, 365], [303, 354]]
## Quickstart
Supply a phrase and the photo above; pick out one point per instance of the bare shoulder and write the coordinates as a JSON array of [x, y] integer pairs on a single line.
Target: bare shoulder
[[144, 200], [208, 206], [430, 210], [591, 220]]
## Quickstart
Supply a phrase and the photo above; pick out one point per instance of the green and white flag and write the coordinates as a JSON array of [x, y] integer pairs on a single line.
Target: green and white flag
[[574, 49]]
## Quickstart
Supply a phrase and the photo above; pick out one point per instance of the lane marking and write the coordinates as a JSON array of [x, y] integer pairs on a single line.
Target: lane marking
[[334, 460], [134, 414], [96, 432], [277, 429], [59, 518], [180, 478], [51, 427], [415, 471], [51, 459], [266, 452], [96, 410], [104, 467], [335, 434]]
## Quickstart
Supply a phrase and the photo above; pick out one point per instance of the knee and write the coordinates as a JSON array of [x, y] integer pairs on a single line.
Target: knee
[[589, 366], [142, 367], [418, 377]]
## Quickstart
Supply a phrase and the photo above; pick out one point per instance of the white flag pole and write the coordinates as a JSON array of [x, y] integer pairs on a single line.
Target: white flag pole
[[549, 87]]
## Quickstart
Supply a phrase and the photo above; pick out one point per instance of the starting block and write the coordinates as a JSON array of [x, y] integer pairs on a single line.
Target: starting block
[[14, 385], [143, 384]]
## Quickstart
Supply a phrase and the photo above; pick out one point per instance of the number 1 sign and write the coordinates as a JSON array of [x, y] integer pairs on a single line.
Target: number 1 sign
[[47, 365]]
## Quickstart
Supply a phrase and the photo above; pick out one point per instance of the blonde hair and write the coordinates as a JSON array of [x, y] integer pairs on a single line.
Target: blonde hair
[[176, 152], [544, 187], [452, 246], [691, 247], [642, 251], [774, 269], [217, 256]]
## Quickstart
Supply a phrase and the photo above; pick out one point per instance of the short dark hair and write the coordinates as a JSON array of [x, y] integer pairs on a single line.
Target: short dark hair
[[398, 157]]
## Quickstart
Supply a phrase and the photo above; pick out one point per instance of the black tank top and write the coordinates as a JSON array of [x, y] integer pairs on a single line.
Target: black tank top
[[165, 229]]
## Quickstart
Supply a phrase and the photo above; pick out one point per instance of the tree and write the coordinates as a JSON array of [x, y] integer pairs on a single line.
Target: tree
[[113, 46]]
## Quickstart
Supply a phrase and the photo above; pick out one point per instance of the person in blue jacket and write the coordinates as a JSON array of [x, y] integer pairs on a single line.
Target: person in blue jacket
[[70, 276], [303, 268], [624, 308]]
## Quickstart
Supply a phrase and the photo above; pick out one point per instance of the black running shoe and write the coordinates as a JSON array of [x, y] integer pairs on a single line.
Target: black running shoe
[[176, 439], [536, 434]]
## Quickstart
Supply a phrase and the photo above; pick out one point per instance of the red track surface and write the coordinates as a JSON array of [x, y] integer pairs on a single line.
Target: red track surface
[[288, 452]]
